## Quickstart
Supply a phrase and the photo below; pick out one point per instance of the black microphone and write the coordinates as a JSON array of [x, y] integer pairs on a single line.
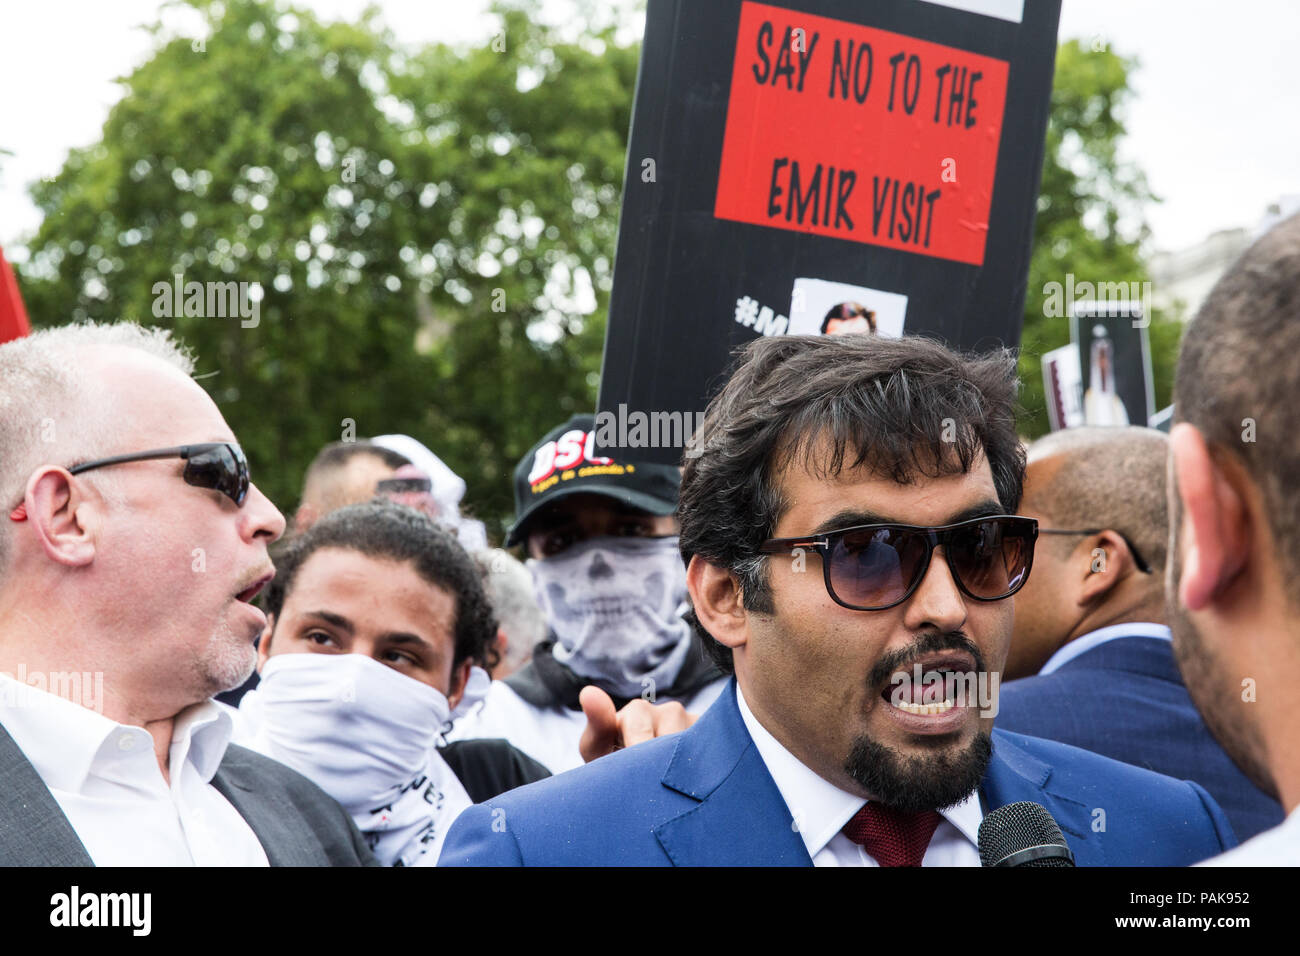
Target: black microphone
[[1022, 834]]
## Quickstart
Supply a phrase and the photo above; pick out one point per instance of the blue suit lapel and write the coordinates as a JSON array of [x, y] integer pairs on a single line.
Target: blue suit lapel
[[741, 819], [1014, 775]]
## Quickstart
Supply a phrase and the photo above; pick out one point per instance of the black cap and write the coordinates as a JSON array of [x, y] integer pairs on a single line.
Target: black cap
[[564, 463]]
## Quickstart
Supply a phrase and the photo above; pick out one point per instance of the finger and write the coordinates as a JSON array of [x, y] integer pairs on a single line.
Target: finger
[[671, 718], [637, 723], [600, 736]]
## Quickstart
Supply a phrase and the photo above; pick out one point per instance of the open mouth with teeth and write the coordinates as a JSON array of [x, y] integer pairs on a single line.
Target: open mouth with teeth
[[930, 687]]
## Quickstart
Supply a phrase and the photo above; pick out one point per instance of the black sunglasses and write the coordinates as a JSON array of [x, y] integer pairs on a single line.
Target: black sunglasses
[[872, 567], [220, 466], [1138, 560]]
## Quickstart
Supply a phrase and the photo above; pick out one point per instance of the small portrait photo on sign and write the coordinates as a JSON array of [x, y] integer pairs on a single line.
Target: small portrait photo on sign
[[820, 307]]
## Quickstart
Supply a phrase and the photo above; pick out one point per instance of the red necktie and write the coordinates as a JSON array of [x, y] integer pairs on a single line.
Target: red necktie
[[892, 837]]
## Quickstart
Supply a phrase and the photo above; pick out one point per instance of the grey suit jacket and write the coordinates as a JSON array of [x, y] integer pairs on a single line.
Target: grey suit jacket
[[295, 821]]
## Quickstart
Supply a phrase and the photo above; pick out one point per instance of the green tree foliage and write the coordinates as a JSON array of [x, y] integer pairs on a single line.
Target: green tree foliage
[[423, 225], [433, 229], [1090, 220]]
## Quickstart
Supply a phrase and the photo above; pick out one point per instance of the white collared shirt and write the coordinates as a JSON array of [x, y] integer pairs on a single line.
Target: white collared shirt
[[820, 810], [1279, 846], [105, 778], [1086, 642]]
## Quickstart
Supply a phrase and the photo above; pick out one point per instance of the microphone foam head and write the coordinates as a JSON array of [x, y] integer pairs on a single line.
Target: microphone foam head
[[1016, 827]]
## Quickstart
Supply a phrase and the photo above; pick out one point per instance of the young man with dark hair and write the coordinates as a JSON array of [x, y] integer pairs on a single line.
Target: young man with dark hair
[[378, 635], [849, 521], [1234, 575]]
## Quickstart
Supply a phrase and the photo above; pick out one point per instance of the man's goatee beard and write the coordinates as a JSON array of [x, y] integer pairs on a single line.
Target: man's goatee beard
[[924, 782]]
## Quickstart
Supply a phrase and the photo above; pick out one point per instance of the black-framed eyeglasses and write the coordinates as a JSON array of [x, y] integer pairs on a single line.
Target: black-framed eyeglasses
[[220, 466], [1138, 560], [877, 566]]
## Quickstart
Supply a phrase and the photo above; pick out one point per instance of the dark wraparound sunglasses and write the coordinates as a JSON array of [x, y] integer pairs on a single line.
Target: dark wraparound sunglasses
[[220, 466], [872, 567]]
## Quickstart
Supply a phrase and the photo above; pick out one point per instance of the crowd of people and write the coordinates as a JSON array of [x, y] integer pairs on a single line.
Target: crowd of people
[[859, 618]]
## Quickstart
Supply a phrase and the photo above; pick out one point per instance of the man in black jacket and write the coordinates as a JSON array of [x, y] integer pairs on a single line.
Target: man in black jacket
[[600, 535]]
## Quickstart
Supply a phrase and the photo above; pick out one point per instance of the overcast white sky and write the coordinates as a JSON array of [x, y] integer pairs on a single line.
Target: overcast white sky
[[1215, 122]]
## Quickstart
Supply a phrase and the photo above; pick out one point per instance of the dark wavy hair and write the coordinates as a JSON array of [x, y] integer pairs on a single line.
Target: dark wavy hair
[[383, 529], [904, 408]]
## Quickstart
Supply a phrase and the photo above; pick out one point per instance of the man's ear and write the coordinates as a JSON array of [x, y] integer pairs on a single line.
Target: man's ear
[[1215, 531], [264, 643], [1109, 562], [459, 680], [65, 515], [304, 518], [715, 596]]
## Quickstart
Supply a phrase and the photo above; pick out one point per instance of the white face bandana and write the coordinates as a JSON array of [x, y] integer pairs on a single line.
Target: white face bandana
[[615, 605], [365, 734]]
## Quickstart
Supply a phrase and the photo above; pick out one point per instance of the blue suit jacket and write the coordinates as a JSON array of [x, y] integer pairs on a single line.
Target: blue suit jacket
[[704, 797], [1125, 699]]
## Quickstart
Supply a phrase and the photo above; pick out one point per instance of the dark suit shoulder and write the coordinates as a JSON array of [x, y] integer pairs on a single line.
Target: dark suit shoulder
[[263, 790], [488, 767], [625, 771], [591, 815], [1141, 799], [272, 773], [1068, 762]]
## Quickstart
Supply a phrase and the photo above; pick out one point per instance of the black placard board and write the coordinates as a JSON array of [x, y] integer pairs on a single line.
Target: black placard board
[[822, 166]]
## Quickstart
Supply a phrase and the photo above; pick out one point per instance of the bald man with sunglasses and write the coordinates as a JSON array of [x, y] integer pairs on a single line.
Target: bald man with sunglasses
[[853, 551], [133, 544]]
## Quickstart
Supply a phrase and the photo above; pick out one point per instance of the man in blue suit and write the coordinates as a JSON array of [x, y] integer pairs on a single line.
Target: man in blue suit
[[852, 547], [1091, 661]]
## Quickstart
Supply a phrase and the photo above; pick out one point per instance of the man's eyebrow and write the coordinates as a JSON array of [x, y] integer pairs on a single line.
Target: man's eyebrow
[[402, 637], [852, 517], [984, 509], [336, 620]]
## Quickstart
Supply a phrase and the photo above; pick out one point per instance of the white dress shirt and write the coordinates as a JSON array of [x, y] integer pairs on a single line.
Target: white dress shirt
[[1279, 846], [1086, 642], [105, 777], [820, 810]]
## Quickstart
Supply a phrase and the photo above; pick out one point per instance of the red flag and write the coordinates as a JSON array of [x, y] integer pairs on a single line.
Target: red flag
[[13, 317]]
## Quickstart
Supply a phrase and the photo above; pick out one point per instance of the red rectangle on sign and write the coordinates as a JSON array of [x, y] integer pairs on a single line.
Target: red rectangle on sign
[[856, 133]]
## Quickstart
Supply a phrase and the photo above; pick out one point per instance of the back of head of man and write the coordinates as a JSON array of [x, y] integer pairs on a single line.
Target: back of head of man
[[1099, 497], [343, 473], [1234, 577], [140, 570]]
